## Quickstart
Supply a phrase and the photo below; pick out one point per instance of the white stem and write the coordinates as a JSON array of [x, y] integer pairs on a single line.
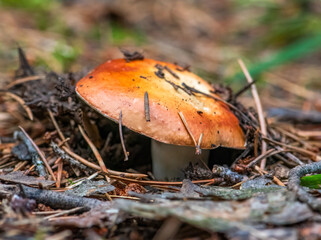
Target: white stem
[[169, 160]]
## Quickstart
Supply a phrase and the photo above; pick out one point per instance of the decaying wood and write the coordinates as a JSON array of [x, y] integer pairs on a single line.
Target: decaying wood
[[58, 200], [42, 157], [295, 180], [34, 154]]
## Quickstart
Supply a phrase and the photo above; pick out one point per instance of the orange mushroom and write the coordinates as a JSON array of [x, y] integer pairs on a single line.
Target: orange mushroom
[[162, 101]]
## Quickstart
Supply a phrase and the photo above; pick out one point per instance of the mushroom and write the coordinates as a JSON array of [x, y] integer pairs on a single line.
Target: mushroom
[[162, 101]]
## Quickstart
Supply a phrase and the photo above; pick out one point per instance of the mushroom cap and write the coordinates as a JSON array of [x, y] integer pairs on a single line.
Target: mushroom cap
[[118, 85]]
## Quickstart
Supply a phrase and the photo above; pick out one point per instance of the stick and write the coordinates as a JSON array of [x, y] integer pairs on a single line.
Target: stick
[[258, 108], [21, 102], [73, 210], [73, 162], [268, 153], [121, 136], [295, 181], [59, 172], [81, 181], [23, 80], [275, 179], [146, 182], [315, 157], [198, 147], [95, 151], [58, 200], [244, 89], [44, 160], [146, 107], [73, 156], [62, 137], [190, 132]]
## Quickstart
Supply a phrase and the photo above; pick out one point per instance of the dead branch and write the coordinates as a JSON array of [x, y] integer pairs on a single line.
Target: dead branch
[[259, 109], [32, 151], [58, 200], [295, 180]]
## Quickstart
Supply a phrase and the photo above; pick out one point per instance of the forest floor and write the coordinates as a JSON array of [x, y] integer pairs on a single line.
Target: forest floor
[[52, 183]]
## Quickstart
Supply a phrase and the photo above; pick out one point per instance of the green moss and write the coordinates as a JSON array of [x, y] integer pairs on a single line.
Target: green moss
[[313, 181]]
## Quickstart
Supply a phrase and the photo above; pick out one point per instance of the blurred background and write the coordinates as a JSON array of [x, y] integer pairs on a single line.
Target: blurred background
[[279, 40]]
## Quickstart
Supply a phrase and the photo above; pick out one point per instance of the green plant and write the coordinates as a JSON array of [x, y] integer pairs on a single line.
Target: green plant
[[313, 181]]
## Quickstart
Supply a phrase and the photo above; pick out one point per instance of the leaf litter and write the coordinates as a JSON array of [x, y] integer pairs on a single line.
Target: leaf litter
[[241, 201]]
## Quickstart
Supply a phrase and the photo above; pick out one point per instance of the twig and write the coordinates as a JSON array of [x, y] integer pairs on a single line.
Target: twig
[[259, 109], [62, 137], [34, 155], [60, 200], [23, 80], [146, 107], [63, 142], [244, 89], [46, 212], [256, 139], [198, 147], [81, 181], [290, 156], [248, 149], [295, 181], [31, 168], [73, 156], [110, 197], [40, 153], [21, 102], [59, 171], [275, 179], [155, 183], [70, 160], [73, 210], [171, 72], [20, 165], [121, 136], [95, 151], [303, 151], [307, 134], [267, 154], [292, 136], [8, 164], [198, 150]]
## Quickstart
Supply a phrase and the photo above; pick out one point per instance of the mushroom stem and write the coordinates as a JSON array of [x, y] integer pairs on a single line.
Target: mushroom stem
[[170, 160]]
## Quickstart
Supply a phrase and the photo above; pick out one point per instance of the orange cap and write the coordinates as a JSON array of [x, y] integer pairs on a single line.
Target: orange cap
[[118, 85]]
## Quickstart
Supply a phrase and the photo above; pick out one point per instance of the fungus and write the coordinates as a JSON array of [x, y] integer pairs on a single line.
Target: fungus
[[119, 85]]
